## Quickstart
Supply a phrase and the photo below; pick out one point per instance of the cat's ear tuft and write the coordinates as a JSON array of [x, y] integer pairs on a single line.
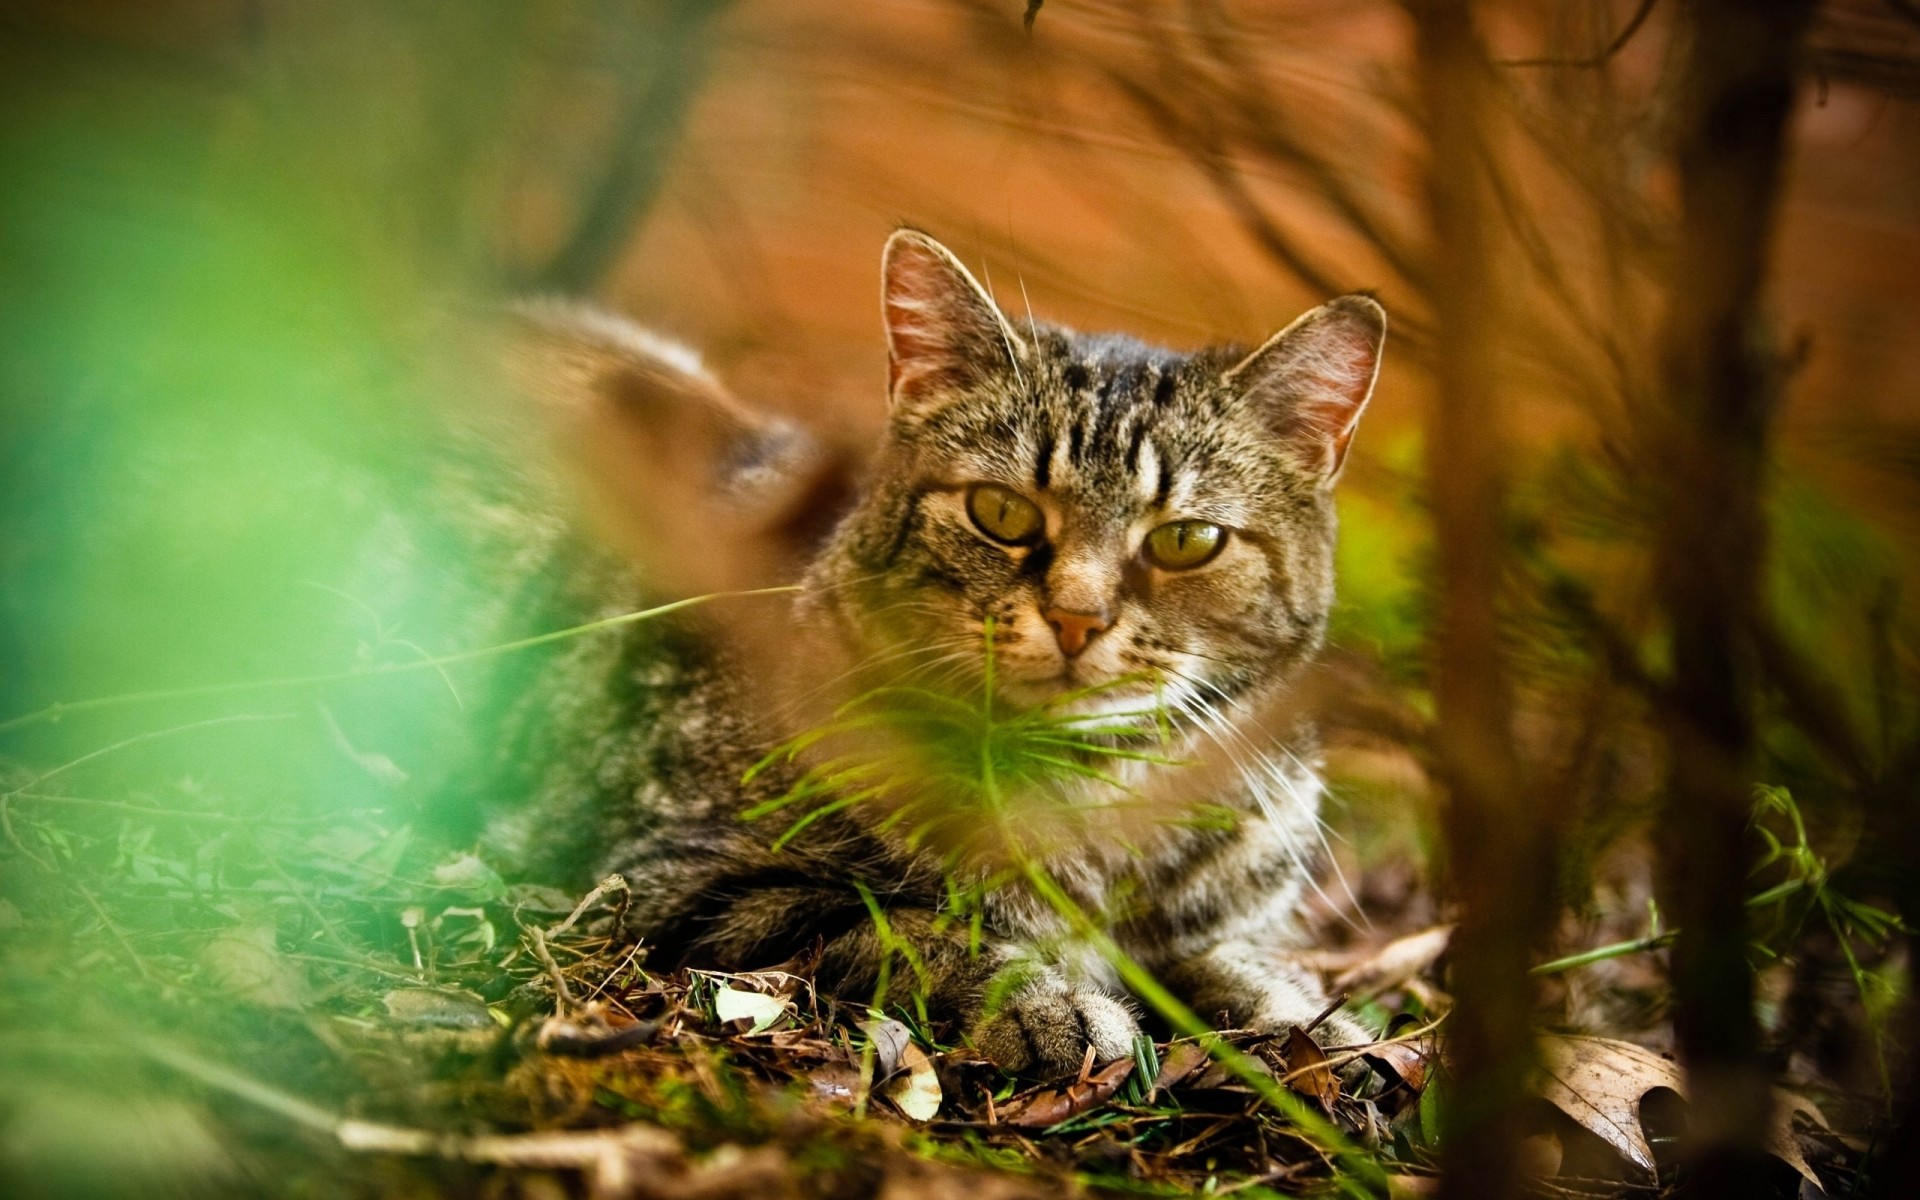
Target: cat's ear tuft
[[1314, 378], [944, 332]]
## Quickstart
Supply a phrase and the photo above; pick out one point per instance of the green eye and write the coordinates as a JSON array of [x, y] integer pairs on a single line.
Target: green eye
[[1003, 515], [1179, 545]]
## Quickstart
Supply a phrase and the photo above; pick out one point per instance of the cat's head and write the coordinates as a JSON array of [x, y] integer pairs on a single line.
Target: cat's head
[[1128, 518]]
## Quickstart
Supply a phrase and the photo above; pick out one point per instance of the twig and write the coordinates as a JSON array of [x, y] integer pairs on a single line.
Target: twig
[[614, 1158], [139, 964], [1614, 47], [612, 883], [313, 910], [614, 974], [563, 999], [1333, 1006], [1343, 1057], [6, 826]]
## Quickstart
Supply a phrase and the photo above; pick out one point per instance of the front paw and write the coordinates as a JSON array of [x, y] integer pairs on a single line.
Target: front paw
[[1045, 1027]]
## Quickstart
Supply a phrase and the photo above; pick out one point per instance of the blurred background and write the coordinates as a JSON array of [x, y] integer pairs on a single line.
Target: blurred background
[[239, 240]]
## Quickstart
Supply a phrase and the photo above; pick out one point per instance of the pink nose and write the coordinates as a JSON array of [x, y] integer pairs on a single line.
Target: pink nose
[[1074, 629]]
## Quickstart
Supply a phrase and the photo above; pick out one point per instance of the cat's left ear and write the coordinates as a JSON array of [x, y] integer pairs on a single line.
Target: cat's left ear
[[1314, 378]]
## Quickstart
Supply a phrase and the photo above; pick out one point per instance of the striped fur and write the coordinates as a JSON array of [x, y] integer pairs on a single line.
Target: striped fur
[[641, 763]]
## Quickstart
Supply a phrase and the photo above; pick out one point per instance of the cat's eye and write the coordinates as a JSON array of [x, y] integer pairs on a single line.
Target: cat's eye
[[1178, 545], [1005, 515]]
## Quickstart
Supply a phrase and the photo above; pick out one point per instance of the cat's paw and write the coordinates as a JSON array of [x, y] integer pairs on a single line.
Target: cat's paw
[[1045, 1027]]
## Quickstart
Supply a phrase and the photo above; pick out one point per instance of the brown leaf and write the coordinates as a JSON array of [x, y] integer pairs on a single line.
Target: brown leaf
[[1405, 1061], [1538, 1157], [1600, 1083], [245, 962], [1182, 1060], [915, 1091], [1218, 1076], [1307, 1069], [890, 1041], [1050, 1107], [1395, 963], [445, 1008]]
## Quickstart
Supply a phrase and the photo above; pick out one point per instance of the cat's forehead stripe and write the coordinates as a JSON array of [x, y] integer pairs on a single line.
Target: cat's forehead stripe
[[1146, 472]]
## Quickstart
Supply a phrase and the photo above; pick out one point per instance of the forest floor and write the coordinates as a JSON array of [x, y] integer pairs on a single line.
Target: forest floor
[[195, 1003]]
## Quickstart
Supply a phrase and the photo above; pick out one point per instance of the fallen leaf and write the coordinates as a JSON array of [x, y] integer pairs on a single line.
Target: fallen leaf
[[915, 1091], [443, 1009], [1049, 1107], [890, 1041], [1600, 1082], [1538, 1157], [575, 1040], [1181, 1061], [1307, 1069], [473, 879], [1394, 963], [1218, 1076], [247, 963], [837, 1082], [1405, 1061], [760, 1010]]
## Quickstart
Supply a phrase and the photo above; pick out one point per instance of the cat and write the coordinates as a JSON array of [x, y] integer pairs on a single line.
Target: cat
[[1134, 537]]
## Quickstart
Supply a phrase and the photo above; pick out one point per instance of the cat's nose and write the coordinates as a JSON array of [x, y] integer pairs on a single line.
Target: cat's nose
[[1074, 629]]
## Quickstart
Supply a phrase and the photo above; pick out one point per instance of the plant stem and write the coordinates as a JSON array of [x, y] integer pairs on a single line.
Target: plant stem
[[1601, 953]]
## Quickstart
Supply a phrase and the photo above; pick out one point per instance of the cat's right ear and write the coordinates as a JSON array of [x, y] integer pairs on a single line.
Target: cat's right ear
[[944, 332]]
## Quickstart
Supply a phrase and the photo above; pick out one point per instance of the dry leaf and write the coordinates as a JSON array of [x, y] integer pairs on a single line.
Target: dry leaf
[[1405, 1061], [473, 879], [246, 962], [1600, 1082], [1181, 1061], [735, 1004], [1050, 1107], [1307, 1069], [1218, 1076], [1538, 1157], [450, 1008], [838, 1083], [916, 1090], [890, 1040], [1394, 963]]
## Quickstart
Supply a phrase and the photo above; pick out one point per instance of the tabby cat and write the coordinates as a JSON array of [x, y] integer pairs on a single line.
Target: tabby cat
[[1129, 536]]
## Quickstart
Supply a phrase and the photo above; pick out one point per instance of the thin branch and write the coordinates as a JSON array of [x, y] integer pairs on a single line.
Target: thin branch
[[1215, 165], [1614, 47]]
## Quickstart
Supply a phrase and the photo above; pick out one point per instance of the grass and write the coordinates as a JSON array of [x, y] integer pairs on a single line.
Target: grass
[[316, 998], [326, 1001], [997, 772]]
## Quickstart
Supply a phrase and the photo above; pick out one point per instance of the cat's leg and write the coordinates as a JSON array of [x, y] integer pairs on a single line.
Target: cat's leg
[[1019, 1009], [1258, 987]]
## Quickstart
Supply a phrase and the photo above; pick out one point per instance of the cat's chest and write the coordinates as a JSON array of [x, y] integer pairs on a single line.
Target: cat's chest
[[1167, 886]]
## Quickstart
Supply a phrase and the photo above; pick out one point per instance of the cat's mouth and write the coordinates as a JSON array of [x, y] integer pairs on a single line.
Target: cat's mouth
[[1076, 692]]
